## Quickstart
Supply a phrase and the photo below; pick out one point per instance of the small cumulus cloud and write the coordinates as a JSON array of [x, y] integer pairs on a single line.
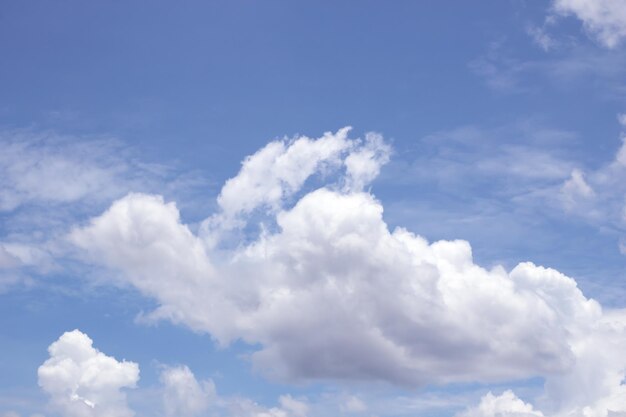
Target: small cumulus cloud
[[505, 405], [81, 381], [183, 395]]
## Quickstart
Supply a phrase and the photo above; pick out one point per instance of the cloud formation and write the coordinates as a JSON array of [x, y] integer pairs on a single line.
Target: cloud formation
[[505, 405], [329, 292], [603, 19], [84, 382], [597, 195], [183, 395], [44, 168]]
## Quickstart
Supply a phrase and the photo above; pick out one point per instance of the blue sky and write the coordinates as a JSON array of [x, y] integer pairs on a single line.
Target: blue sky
[[188, 227]]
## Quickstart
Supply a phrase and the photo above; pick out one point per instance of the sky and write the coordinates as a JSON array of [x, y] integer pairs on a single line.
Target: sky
[[313, 209]]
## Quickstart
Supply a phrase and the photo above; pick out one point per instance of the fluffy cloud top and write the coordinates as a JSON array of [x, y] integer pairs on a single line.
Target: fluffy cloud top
[[331, 292], [84, 382], [281, 168], [505, 405], [183, 395], [604, 19]]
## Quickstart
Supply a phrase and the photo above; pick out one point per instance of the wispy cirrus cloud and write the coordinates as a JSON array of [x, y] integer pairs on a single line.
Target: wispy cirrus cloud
[[566, 66]]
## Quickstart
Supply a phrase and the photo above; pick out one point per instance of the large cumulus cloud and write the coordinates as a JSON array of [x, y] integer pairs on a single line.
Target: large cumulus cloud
[[328, 291]]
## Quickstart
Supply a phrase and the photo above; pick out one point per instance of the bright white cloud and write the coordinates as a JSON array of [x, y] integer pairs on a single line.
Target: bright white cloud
[[603, 19], [505, 405], [331, 292], [183, 395], [84, 382], [281, 168]]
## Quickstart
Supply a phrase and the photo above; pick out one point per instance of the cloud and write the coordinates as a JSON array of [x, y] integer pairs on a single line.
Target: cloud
[[576, 188], [281, 168], [44, 168], [505, 405], [569, 66], [597, 195], [288, 407], [84, 382], [540, 36], [48, 180], [183, 395], [328, 291], [353, 404], [522, 173], [603, 19], [9, 276]]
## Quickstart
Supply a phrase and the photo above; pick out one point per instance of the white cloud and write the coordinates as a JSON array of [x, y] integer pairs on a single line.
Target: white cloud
[[603, 19], [598, 195], [84, 382], [45, 168], [48, 180], [541, 38], [281, 168], [505, 405], [331, 293], [183, 395], [576, 188], [353, 404], [289, 407]]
